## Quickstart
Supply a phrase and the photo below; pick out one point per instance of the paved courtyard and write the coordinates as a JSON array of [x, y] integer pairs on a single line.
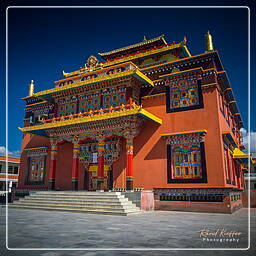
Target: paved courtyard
[[44, 229]]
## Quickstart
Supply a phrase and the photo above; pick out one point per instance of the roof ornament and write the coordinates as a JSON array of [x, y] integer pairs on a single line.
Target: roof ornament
[[185, 39], [64, 73], [31, 88], [208, 42], [92, 63], [144, 38]]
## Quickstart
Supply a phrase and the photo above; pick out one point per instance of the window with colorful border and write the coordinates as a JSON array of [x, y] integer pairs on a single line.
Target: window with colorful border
[[184, 95], [186, 158], [36, 165]]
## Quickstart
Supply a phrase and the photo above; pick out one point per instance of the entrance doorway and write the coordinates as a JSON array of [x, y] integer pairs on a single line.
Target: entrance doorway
[[91, 175]]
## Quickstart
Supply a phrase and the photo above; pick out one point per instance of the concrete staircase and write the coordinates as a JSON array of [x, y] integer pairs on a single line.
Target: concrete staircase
[[111, 203]]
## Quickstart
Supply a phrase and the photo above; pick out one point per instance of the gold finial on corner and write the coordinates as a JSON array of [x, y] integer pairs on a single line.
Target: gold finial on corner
[[64, 73], [144, 38], [208, 42], [31, 88]]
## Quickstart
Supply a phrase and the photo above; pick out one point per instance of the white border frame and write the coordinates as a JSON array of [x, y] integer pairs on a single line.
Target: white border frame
[[249, 130]]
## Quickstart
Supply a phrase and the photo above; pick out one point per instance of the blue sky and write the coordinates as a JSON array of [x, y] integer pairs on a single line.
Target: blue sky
[[43, 42]]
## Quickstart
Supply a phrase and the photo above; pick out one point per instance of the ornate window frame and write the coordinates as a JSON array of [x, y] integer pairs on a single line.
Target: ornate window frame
[[200, 104], [34, 153], [186, 138]]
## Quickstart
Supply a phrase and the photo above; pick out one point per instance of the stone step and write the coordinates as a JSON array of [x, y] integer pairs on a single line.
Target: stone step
[[85, 204], [75, 210], [116, 199], [90, 193], [75, 197], [102, 202], [72, 206]]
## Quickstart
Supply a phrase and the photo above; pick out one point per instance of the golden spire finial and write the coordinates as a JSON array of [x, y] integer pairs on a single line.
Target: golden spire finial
[[144, 38], [208, 42], [31, 88]]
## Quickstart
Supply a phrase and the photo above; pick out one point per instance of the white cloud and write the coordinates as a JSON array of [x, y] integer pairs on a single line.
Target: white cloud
[[10, 153], [246, 136]]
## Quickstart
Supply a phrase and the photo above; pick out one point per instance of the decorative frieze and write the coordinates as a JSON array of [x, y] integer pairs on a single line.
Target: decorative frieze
[[34, 152]]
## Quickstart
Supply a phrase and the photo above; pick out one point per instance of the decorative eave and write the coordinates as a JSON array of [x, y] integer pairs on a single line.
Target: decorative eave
[[238, 154], [147, 53], [223, 80], [227, 135], [136, 110], [184, 133], [131, 57], [177, 62], [81, 74], [179, 138], [144, 42], [133, 72], [182, 73]]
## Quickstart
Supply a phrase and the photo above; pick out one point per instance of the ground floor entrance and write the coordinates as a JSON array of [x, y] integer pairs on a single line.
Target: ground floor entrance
[[91, 180]]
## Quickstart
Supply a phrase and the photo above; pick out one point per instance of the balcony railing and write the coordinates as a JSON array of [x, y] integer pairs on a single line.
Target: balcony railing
[[93, 113]]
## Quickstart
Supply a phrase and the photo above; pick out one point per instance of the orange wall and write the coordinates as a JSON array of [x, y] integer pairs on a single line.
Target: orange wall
[[150, 164]]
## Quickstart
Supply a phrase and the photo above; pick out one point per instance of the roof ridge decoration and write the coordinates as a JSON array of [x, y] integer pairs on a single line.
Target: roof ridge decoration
[[106, 78], [136, 56], [145, 41], [91, 64]]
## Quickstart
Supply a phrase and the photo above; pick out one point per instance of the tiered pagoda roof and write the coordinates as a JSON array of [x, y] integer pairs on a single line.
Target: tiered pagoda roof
[[146, 44]]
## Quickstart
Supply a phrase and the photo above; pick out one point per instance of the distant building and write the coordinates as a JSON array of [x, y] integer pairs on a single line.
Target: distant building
[[12, 173]]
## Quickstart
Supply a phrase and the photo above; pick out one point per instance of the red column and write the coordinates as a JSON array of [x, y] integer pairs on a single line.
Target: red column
[[52, 173], [75, 162], [100, 179], [129, 163]]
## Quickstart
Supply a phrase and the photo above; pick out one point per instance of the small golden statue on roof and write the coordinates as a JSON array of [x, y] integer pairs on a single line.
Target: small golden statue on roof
[[92, 63]]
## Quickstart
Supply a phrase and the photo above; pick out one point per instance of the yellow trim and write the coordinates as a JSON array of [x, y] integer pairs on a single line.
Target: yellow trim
[[98, 117], [154, 95], [238, 154], [151, 116], [94, 72], [96, 80], [28, 106], [232, 101], [186, 49], [181, 133]]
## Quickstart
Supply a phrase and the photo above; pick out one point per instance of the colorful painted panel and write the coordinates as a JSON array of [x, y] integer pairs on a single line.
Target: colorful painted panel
[[90, 104], [67, 109], [184, 95], [114, 98], [186, 162]]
